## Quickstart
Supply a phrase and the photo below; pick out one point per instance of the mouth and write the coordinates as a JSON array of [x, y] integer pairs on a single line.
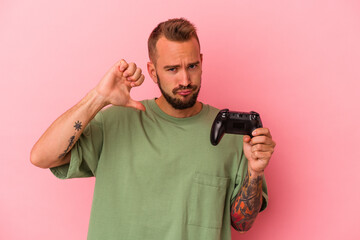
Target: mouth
[[184, 92]]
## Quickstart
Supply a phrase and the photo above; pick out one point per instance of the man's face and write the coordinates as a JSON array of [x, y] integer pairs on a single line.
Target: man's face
[[178, 71], [179, 103]]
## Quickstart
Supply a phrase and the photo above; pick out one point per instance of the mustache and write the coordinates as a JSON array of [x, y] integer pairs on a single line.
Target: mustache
[[181, 87]]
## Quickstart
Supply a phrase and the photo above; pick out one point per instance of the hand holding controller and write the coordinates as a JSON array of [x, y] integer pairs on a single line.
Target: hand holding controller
[[226, 121]]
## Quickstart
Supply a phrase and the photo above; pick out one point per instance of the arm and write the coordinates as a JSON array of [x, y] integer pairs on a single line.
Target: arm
[[53, 147], [248, 201]]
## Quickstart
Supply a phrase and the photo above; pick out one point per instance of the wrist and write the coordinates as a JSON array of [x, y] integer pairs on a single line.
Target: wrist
[[94, 102], [255, 174]]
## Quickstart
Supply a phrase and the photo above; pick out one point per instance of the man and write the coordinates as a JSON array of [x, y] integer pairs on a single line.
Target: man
[[157, 175]]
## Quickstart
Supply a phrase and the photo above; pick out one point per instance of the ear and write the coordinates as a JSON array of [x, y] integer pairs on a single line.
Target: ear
[[201, 57], [152, 71]]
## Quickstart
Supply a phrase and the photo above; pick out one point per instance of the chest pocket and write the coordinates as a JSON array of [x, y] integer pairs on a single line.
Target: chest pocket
[[207, 200]]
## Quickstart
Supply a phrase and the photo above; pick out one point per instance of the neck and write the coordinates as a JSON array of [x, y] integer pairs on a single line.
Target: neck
[[178, 113]]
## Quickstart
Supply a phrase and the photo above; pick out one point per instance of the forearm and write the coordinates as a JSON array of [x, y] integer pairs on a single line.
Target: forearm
[[60, 137], [247, 203]]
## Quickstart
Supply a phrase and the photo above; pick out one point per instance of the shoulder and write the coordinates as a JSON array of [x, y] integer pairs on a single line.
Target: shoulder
[[211, 110]]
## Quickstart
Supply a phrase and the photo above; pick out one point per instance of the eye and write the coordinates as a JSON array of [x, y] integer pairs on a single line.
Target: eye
[[192, 66], [171, 69]]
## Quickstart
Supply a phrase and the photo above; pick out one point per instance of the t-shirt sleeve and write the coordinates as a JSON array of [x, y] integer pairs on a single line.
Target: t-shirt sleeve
[[240, 176], [85, 154]]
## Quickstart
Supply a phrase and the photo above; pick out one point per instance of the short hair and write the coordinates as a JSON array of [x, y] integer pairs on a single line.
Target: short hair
[[176, 29]]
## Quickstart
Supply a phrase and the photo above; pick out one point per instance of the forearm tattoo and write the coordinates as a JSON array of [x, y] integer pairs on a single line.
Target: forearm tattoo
[[77, 126], [247, 203]]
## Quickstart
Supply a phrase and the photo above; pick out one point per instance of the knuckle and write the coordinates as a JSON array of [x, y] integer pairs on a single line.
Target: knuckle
[[140, 80], [124, 66], [257, 147], [137, 73]]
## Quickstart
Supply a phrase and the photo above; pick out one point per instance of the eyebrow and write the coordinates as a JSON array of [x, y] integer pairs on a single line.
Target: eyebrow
[[176, 66]]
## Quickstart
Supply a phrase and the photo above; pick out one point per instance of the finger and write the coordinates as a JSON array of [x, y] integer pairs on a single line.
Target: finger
[[246, 138], [136, 75], [123, 65], [261, 131], [261, 155], [130, 70], [262, 148], [136, 105], [262, 140], [139, 81]]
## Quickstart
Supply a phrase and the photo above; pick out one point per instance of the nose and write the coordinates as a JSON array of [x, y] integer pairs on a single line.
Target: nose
[[185, 78]]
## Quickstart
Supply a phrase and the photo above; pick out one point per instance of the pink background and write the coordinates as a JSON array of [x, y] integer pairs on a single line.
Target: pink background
[[296, 62]]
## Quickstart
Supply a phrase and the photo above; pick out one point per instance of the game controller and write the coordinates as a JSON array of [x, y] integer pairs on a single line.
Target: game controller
[[226, 121]]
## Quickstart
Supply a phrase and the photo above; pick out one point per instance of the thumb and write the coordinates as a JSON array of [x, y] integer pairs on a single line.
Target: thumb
[[246, 139], [136, 105], [247, 146]]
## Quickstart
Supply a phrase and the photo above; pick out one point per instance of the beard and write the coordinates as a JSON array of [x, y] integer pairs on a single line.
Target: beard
[[178, 103]]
